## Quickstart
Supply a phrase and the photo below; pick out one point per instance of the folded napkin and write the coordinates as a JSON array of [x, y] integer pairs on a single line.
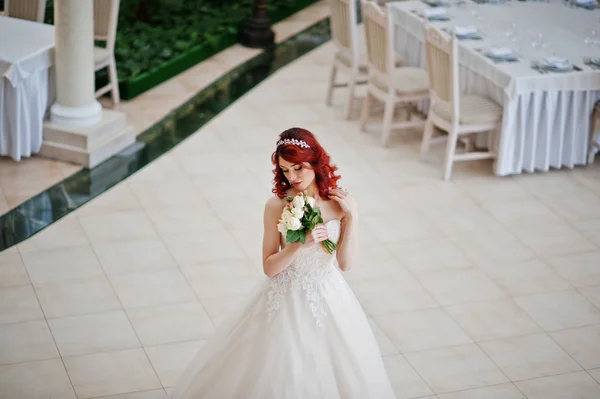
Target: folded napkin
[[557, 62], [498, 51], [434, 12], [465, 30]]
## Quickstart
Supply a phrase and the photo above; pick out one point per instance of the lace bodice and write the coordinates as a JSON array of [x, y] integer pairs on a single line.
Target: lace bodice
[[309, 271]]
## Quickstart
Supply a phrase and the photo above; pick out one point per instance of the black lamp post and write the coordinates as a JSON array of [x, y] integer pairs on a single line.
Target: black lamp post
[[256, 30]]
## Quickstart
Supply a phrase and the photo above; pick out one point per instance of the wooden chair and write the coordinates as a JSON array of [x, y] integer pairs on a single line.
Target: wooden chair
[[31, 10], [594, 127], [386, 82], [106, 13], [449, 110]]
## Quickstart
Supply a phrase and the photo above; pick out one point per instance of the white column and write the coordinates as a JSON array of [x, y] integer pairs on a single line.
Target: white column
[[76, 103]]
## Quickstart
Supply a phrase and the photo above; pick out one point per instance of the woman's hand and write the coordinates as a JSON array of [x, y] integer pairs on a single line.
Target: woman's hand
[[346, 201], [317, 235]]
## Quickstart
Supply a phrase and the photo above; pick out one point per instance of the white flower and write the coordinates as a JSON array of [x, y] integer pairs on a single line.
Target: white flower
[[299, 201], [298, 212], [293, 224], [311, 201], [281, 227], [286, 215]]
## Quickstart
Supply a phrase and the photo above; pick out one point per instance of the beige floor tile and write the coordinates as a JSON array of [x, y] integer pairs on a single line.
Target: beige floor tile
[[560, 310], [407, 383], [425, 329], [133, 225], [429, 255], [552, 239], [93, 333], [41, 379], [590, 229], [491, 320], [527, 210], [456, 368], [77, 297], [581, 270], [453, 287], [495, 190], [205, 247], [152, 288], [502, 391], [386, 346], [583, 344], [185, 220], [171, 360], [171, 323], [25, 342], [134, 256], [548, 184], [111, 373], [223, 278], [118, 199], [532, 356], [497, 245], [12, 269], [151, 394], [18, 304], [68, 229], [595, 374], [167, 194], [405, 225], [574, 385], [392, 295], [219, 309], [462, 219], [581, 204], [58, 265], [524, 277], [592, 294]]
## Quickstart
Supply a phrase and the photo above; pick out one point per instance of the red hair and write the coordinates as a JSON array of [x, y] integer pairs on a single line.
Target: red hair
[[316, 156]]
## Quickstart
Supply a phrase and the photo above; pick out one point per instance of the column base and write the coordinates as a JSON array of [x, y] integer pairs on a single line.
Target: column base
[[87, 145], [76, 116]]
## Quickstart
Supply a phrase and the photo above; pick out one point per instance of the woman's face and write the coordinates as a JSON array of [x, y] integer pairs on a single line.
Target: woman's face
[[300, 176]]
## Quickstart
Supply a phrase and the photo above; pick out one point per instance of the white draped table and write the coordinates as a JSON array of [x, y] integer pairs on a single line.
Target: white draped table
[[546, 117], [26, 84]]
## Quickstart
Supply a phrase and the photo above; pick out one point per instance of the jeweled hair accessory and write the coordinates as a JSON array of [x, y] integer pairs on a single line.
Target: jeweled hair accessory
[[299, 143]]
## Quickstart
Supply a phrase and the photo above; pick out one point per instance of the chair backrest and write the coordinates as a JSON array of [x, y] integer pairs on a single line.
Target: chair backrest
[[344, 30], [442, 68], [31, 10], [380, 42], [106, 16]]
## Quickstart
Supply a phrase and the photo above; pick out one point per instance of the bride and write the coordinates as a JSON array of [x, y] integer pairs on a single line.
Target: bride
[[303, 334]]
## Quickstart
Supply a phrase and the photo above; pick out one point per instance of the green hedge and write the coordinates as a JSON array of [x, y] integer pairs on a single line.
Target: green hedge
[[157, 39]]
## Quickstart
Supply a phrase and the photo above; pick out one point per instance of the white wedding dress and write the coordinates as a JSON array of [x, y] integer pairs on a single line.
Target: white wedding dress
[[303, 335]]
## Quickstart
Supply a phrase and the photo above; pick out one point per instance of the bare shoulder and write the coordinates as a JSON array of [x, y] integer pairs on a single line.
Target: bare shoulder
[[275, 205]]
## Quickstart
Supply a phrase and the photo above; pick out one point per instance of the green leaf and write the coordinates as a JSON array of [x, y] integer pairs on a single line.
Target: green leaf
[[302, 236]]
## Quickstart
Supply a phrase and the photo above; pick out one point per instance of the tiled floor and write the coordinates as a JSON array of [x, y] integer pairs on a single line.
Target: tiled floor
[[22, 180], [478, 288]]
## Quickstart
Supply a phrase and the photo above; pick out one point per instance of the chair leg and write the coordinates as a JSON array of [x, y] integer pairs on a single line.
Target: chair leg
[[450, 151], [350, 102], [427, 136], [388, 116], [114, 82], [593, 130], [332, 77], [365, 111]]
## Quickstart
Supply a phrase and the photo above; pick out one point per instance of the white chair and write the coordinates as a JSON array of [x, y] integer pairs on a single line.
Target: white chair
[[391, 85], [594, 127], [345, 37], [449, 110], [106, 13], [348, 58], [31, 10]]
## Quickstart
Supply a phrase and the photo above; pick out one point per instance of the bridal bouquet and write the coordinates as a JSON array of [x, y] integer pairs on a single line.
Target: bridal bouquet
[[299, 217]]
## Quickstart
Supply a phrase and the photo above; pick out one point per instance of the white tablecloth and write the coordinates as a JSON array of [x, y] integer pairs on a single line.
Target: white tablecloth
[[26, 84], [546, 117]]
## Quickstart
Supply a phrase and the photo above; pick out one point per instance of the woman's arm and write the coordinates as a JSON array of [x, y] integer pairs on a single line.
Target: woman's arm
[[347, 249], [274, 260]]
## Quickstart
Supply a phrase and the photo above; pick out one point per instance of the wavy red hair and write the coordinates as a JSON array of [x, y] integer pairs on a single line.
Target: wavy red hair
[[319, 160]]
